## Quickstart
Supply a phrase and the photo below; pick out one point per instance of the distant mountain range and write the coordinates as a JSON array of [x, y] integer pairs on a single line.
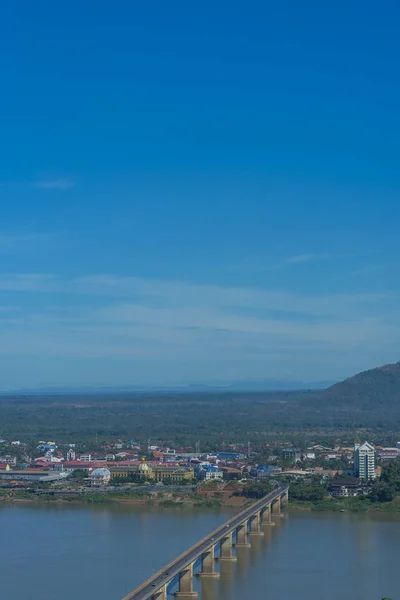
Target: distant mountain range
[[263, 385], [373, 391]]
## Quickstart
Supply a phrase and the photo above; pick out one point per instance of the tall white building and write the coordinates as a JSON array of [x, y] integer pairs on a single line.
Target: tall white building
[[364, 461]]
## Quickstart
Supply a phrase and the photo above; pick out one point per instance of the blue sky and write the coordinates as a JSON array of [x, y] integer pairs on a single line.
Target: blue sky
[[198, 191]]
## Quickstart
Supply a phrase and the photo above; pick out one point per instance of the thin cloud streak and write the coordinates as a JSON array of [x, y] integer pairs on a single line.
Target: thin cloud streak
[[17, 242], [62, 183], [305, 258], [156, 326]]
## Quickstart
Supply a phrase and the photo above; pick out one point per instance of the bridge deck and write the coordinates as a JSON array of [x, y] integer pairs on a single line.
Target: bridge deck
[[164, 575]]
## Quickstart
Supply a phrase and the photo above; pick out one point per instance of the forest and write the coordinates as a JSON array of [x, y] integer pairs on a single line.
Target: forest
[[183, 418]]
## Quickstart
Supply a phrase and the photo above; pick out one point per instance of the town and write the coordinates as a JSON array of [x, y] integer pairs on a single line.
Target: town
[[316, 473]]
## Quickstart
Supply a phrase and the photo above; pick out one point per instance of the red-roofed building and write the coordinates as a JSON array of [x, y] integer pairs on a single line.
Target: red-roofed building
[[84, 466]]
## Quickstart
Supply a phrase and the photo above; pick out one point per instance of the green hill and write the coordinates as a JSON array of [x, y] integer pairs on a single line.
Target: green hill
[[379, 387]]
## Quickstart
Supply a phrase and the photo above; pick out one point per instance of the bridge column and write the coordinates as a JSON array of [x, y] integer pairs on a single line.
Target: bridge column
[[241, 536], [226, 549], [266, 516], [160, 594], [285, 497], [276, 507], [186, 583], [255, 525], [207, 564]]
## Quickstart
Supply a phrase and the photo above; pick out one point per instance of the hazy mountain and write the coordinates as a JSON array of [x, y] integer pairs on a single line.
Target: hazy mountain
[[374, 388]]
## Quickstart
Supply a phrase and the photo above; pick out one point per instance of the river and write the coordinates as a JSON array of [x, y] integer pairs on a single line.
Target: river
[[101, 553]]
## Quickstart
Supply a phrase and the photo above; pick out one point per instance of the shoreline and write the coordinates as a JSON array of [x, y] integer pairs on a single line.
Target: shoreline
[[296, 507], [150, 500], [191, 500]]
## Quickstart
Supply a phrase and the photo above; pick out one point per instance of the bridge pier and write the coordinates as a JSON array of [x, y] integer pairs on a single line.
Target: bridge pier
[[226, 549], [186, 583], [160, 594], [255, 525], [266, 516], [251, 518], [241, 536], [276, 507], [207, 564]]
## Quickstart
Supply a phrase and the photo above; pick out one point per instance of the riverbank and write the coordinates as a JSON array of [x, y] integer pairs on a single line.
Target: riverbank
[[130, 497], [356, 504], [226, 499]]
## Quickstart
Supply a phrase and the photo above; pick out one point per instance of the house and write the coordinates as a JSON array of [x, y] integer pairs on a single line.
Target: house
[[332, 455], [308, 455]]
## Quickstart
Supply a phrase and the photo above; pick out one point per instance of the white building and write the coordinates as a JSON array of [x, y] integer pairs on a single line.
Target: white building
[[364, 461], [100, 476], [8, 460], [85, 457], [209, 473], [71, 454]]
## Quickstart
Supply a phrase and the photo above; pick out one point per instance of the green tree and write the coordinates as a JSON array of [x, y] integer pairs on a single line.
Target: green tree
[[381, 492], [257, 489], [306, 492], [391, 474]]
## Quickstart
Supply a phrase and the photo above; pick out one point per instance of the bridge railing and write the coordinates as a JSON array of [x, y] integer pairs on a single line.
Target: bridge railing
[[213, 538]]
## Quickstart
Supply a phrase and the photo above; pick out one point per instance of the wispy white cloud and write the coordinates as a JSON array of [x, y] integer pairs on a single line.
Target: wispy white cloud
[[259, 264], [180, 322], [305, 258], [368, 270], [27, 282], [60, 183], [21, 241]]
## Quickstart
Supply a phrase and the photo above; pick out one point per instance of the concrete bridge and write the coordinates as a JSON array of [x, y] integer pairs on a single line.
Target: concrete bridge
[[233, 533]]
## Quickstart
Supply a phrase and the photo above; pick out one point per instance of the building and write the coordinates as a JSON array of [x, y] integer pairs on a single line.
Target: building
[[37, 475], [230, 473], [230, 456], [74, 465], [100, 476], [346, 487], [308, 455], [388, 453], [71, 454], [364, 461], [293, 454], [157, 472], [332, 455], [8, 460], [85, 457], [210, 473]]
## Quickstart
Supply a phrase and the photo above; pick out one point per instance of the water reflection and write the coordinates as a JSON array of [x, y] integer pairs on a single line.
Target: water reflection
[[233, 573], [107, 551]]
